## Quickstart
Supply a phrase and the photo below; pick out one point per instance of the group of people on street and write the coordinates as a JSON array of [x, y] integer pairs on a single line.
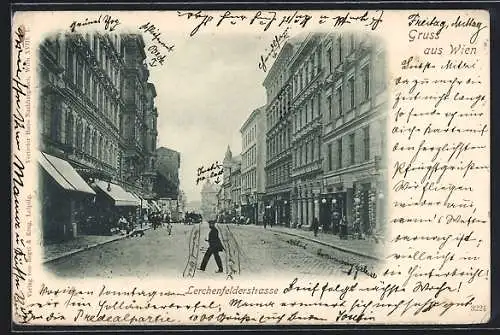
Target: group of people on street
[[126, 223], [157, 219]]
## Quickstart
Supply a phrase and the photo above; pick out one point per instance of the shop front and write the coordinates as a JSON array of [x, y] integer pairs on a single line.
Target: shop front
[[65, 197], [353, 204], [332, 208], [112, 202], [276, 209]]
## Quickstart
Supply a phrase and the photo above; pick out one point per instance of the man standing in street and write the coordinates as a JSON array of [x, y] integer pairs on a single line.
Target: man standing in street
[[214, 247]]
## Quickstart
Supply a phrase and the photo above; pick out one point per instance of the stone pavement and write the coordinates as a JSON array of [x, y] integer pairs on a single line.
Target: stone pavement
[[55, 251], [365, 248]]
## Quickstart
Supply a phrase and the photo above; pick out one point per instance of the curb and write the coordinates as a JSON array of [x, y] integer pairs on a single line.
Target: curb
[[351, 251], [91, 246]]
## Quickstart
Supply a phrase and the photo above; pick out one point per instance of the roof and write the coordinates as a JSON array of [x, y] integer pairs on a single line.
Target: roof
[[251, 117], [293, 44]]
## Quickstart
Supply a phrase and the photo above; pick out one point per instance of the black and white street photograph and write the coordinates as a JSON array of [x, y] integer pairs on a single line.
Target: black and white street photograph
[[229, 157]]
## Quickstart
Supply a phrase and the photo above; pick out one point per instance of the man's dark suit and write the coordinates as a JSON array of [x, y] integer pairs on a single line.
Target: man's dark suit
[[214, 246]]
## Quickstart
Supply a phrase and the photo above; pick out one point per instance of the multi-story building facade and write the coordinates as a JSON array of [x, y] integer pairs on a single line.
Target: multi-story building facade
[[278, 157], [225, 192], [326, 115], [82, 134], [354, 128], [139, 117], [236, 185], [253, 178], [166, 184], [231, 166], [306, 73]]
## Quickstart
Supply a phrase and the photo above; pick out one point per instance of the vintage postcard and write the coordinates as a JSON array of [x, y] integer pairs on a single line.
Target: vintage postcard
[[257, 167]]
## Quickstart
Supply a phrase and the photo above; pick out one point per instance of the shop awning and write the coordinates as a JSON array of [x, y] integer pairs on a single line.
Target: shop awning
[[118, 194], [143, 202], [64, 174], [154, 206]]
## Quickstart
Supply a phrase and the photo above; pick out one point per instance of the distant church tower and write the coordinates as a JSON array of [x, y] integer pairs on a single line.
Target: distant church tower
[[209, 201]]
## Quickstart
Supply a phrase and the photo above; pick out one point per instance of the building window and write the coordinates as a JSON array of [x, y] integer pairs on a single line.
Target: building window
[[93, 151], [329, 59], [365, 75], [352, 148], [96, 42], [79, 73], [329, 106], [330, 158], [312, 143], [100, 149], [339, 157], [350, 85], [318, 104], [55, 126], [70, 65], [57, 49], [310, 68], [340, 103], [311, 107], [46, 114], [351, 43], [318, 63], [79, 135], [69, 129], [339, 44], [87, 83], [306, 149], [319, 147], [87, 141], [366, 142]]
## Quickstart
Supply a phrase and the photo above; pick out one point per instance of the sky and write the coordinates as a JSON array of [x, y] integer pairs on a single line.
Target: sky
[[206, 89]]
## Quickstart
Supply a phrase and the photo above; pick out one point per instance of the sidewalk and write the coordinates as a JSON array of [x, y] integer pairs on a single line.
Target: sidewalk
[[55, 251], [364, 248]]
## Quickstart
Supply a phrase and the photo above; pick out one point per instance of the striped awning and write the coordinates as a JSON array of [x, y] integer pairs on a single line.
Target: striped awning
[[154, 206], [118, 194], [64, 174]]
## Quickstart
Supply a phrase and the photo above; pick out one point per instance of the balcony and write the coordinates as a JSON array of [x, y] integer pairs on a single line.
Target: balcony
[[285, 154], [312, 125], [335, 75], [90, 161], [312, 86], [308, 168]]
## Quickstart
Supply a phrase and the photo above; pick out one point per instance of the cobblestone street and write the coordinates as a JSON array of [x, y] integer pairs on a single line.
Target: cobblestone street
[[157, 254]]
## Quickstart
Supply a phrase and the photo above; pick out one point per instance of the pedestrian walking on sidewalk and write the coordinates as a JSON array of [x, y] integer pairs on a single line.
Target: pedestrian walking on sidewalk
[[315, 226], [214, 247]]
